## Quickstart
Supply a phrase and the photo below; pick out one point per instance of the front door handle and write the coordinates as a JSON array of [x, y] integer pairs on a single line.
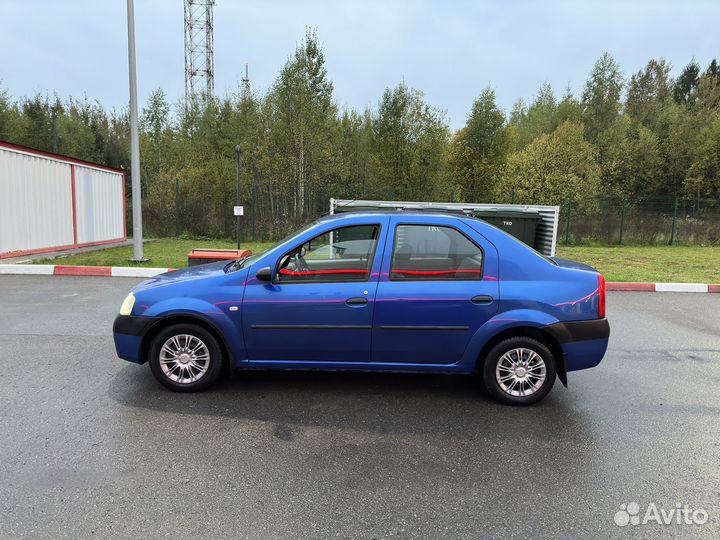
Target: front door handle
[[482, 299], [356, 301]]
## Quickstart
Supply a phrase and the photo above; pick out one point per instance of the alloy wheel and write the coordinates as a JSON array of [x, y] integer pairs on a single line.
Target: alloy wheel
[[520, 372], [184, 358]]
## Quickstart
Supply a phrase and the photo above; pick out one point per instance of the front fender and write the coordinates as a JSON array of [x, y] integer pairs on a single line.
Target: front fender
[[499, 323], [213, 314]]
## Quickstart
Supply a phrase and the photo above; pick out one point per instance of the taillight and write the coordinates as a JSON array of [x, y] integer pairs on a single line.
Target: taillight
[[601, 296]]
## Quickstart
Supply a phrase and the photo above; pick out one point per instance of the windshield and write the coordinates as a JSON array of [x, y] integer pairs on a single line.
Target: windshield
[[247, 261]]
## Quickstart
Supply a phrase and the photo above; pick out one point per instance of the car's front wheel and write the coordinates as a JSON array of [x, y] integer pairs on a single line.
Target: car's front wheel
[[519, 371], [185, 358]]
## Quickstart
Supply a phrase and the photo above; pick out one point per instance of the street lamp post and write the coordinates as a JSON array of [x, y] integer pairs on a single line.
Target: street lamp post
[[138, 254], [238, 152]]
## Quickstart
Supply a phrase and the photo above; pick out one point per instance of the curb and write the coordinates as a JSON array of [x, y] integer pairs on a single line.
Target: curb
[[662, 287], [130, 271], [98, 271]]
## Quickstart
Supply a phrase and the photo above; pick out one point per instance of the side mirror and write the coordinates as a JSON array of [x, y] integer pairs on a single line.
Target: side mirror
[[264, 274]]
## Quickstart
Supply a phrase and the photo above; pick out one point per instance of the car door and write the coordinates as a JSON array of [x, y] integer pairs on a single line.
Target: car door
[[438, 285], [319, 305]]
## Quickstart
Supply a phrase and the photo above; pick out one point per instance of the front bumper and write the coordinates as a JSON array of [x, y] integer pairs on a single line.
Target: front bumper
[[584, 342], [128, 333]]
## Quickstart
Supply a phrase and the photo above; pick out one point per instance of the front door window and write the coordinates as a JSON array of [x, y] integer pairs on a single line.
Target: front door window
[[340, 255]]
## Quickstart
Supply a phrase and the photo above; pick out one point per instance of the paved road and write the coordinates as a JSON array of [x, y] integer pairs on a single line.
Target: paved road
[[92, 446]]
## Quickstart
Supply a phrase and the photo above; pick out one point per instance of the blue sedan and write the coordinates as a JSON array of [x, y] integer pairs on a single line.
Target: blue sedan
[[373, 291]]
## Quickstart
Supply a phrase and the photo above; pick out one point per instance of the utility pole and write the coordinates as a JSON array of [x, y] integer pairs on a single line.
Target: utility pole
[[238, 152], [138, 255]]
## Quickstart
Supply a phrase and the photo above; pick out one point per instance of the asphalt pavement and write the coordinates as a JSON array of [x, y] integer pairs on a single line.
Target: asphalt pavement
[[92, 446]]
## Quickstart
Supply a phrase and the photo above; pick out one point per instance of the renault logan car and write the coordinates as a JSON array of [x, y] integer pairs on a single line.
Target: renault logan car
[[415, 292]]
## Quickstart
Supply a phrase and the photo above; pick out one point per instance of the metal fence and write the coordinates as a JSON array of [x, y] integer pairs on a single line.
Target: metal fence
[[649, 221], [271, 212]]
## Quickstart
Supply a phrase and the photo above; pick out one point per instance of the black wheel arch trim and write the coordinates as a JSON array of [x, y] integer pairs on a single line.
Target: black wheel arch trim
[[133, 325], [138, 325]]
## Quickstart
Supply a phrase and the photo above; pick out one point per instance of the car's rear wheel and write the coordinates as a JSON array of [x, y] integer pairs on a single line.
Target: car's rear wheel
[[519, 371], [185, 358]]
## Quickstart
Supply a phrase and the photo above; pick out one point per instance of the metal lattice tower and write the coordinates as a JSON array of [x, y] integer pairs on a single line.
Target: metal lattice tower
[[246, 91], [199, 69]]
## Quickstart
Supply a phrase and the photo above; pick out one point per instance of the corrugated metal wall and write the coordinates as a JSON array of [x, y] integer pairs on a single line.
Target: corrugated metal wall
[[99, 205], [36, 203], [35, 196], [545, 236]]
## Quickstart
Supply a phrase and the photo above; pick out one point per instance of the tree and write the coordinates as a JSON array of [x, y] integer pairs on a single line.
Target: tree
[[685, 86], [643, 167], [648, 92], [155, 117], [79, 124], [36, 127], [601, 97], [708, 91], [10, 117], [303, 118], [713, 70], [554, 168], [569, 109], [539, 118], [703, 176], [354, 177], [409, 143], [155, 135], [478, 151]]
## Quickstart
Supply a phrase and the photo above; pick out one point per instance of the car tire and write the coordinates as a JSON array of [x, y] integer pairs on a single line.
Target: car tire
[[519, 371], [185, 358]]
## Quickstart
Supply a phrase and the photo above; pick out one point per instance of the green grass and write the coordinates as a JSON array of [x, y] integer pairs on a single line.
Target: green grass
[[627, 263], [164, 253], [680, 264]]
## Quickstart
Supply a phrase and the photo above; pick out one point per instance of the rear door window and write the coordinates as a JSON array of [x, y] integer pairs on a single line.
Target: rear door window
[[434, 253]]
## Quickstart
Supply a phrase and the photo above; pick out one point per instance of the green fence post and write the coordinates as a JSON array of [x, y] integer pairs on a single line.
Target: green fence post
[[512, 201], [672, 234], [254, 209], [177, 207], [567, 221], [622, 220]]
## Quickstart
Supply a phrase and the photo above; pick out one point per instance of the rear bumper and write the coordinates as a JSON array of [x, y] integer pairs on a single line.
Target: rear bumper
[[567, 332], [584, 342], [128, 333]]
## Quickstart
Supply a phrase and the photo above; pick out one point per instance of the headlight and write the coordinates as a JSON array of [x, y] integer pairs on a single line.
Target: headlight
[[127, 304]]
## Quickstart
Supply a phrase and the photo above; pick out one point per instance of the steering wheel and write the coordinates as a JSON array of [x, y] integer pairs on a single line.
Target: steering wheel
[[300, 263]]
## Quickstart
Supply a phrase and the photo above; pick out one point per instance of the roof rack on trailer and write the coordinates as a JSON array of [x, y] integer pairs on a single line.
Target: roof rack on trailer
[[395, 209], [547, 228]]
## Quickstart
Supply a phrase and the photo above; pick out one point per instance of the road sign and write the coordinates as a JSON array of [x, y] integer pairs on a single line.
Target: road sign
[[238, 210]]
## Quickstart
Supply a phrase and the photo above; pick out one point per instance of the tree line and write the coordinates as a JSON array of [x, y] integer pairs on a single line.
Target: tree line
[[639, 137]]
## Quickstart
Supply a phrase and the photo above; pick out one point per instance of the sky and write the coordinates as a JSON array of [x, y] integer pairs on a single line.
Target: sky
[[448, 50]]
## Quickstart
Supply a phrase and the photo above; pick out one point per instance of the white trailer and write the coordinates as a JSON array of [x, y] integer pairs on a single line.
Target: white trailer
[[545, 236], [50, 202]]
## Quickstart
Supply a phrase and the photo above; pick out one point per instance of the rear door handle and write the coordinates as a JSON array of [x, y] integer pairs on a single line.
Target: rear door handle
[[482, 299], [356, 301]]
